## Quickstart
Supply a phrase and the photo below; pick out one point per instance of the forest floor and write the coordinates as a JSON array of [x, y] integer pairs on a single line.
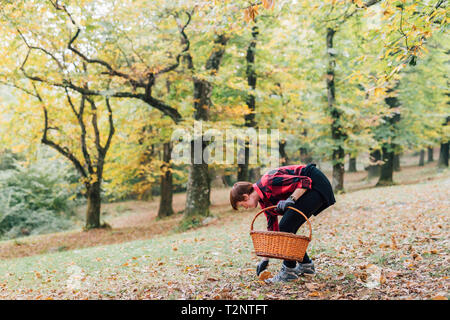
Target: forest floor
[[375, 243], [135, 220]]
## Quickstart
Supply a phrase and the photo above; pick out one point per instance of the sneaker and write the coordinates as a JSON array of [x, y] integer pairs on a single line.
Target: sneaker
[[284, 275], [305, 269]]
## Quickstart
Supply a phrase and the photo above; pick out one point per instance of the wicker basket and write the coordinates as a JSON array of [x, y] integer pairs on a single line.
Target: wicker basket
[[280, 245]]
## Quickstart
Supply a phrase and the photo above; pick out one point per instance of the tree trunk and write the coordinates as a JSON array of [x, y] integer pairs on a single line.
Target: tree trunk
[[243, 173], [93, 206], [352, 164], [283, 154], [422, 158], [88, 169], [226, 180], [338, 175], [337, 134], [388, 148], [146, 194], [165, 203], [373, 170], [443, 155], [443, 152], [198, 187], [255, 174], [430, 154], [387, 168], [397, 162], [305, 156], [199, 181]]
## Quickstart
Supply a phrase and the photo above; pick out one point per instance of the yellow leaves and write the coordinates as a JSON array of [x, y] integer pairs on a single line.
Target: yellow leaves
[[91, 179], [377, 92], [387, 13], [94, 179], [250, 13], [129, 264], [191, 268], [268, 4], [19, 148], [356, 77], [358, 3], [233, 110]]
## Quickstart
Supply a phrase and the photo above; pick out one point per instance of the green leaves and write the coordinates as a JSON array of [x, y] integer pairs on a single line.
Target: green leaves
[[35, 199]]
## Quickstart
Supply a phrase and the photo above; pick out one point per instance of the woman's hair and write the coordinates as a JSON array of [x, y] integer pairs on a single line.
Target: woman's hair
[[237, 192]]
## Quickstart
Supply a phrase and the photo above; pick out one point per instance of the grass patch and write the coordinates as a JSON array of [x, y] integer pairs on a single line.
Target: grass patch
[[189, 223]]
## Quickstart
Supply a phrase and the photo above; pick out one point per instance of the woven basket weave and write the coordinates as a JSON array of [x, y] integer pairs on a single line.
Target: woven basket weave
[[280, 245]]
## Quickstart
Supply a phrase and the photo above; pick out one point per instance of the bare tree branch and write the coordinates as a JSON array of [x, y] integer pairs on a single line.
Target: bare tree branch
[[110, 70], [30, 47], [62, 150], [95, 124], [111, 126]]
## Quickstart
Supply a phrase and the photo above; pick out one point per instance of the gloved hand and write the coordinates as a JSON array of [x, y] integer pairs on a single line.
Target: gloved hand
[[262, 265], [283, 204]]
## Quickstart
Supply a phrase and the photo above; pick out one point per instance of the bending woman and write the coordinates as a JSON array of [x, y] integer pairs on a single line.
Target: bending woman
[[305, 188]]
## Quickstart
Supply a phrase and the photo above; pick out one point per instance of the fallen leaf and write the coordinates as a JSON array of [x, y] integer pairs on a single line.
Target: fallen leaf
[[382, 279], [311, 286], [265, 275], [417, 257]]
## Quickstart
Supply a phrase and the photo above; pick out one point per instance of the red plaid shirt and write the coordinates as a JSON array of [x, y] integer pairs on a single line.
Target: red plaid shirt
[[276, 185]]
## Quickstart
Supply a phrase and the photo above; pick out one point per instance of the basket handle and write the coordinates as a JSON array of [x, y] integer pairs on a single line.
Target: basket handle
[[271, 207]]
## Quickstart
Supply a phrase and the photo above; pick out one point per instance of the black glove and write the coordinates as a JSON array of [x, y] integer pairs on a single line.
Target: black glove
[[283, 204], [262, 265]]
